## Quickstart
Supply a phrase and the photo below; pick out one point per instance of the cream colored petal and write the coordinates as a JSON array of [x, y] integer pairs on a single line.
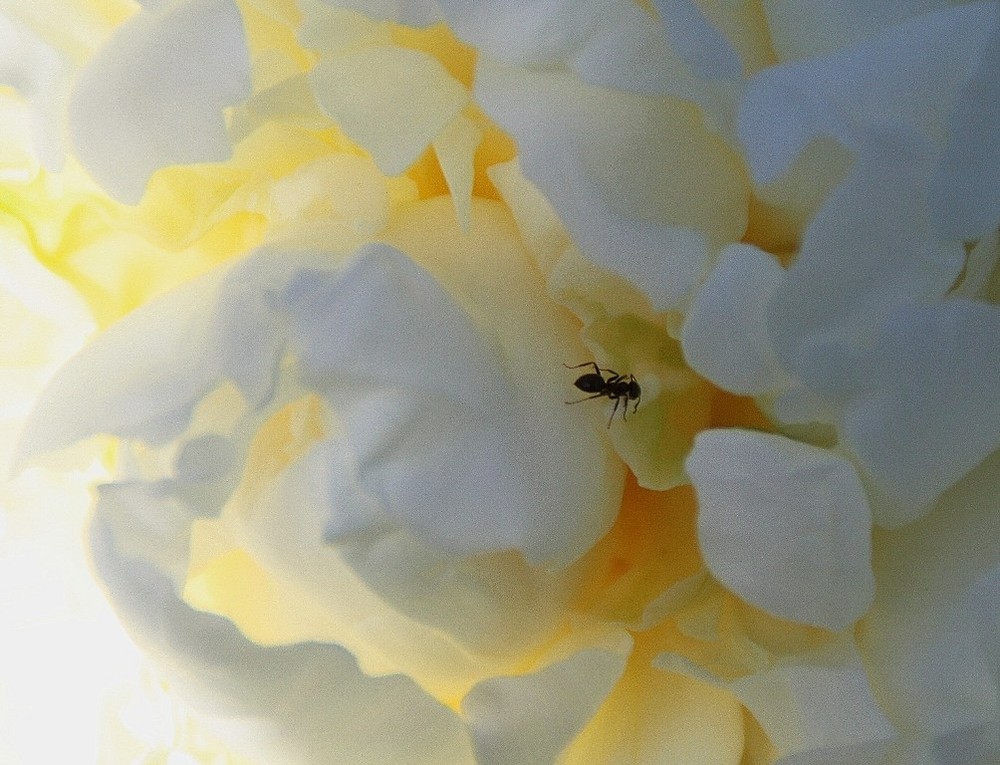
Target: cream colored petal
[[930, 641], [816, 708], [655, 717], [304, 704], [392, 101], [785, 525], [154, 95], [927, 404], [532, 718], [641, 184], [725, 335], [455, 147]]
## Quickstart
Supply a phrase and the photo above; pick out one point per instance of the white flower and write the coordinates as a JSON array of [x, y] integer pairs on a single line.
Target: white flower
[[351, 517]]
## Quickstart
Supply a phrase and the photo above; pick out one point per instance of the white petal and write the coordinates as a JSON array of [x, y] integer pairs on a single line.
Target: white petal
[[784, 525], [931, 637], [298, 704], [802, 28], [455, 148], [725, 334], [393, 101], [928, 407], [965, 191], [891, 94], [469, 453], [624, 208], [703, 47], [531, 718], [154, 95], [136, 380], [37, 71], [533, 33], [817, 708]]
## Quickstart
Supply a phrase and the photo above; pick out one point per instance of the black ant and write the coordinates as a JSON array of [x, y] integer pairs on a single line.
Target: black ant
[[616, 387]]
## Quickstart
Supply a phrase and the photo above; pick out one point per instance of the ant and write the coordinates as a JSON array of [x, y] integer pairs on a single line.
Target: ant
[[616, 387]]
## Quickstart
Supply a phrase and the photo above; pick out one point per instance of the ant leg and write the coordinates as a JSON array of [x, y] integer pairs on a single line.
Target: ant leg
[[588, 398], [593, 364], [612, 417]]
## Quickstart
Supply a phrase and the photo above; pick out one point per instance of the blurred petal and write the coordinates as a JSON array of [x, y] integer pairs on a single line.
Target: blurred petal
[[298, 704], [802, 28], [534, 33], [703, 47], [784, 525], [455, 148], [657, 717], [154, 95], [965, 190], [890, 94]]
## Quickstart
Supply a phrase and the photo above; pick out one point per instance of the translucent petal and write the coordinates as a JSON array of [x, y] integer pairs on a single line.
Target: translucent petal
[[784, 525], [298, 704], [624, 208], [392, 101], [725, 334], [928, 403], [135, 380], [154, 95]]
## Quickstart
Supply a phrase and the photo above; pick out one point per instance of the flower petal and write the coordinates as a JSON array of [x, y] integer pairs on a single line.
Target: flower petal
[[154, 94], [964, 196], [703, 47], [393, 101], [533, 717], [725, 332], [784, 525], [816, 708], [800, 28], [624, 208], [929, 640], [928, 407], [890, 94], [318, 706], [135, 380], [663, 717]]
